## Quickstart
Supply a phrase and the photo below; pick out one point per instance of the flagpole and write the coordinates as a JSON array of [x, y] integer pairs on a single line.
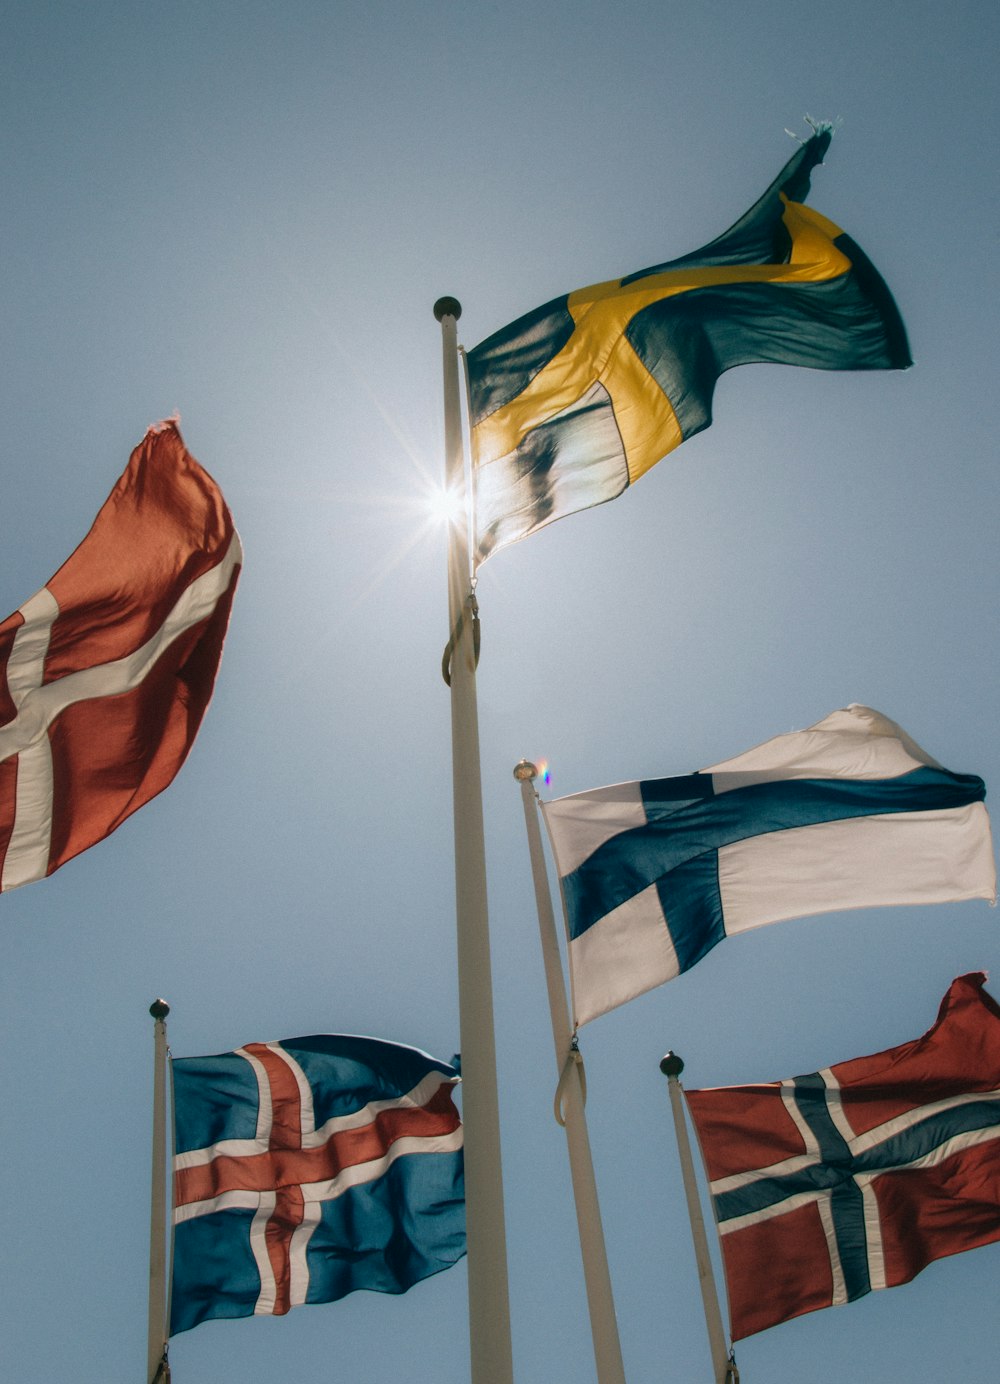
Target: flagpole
[[724, 1368], [489, 1305], [570, 1108], [156, 1357]]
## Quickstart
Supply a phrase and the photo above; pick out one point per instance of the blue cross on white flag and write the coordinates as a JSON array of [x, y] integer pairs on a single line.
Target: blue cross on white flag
[[850, 813]]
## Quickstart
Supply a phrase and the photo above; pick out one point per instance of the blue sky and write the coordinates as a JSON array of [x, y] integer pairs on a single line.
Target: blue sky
[[245, 213]]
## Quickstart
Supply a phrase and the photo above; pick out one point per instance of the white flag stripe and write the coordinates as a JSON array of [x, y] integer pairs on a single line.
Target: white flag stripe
[[628, 953], [786, 1166], [333, 1187], [307, 1120], [298, 1263], [798, 1119], [859, 1144], [27, 855], [822, 1201], [26, 663], [415, 1099], [241, 1148], [970, 1138], [265, 1114], [268, 1295], [30, 844], [863, 862], [873, 1231], [239, 1200], [958, 1144], [765, 1213], [855, 742], [586, 820], [835, 1105], [42, 705], [354, 1176], [825, 1209]]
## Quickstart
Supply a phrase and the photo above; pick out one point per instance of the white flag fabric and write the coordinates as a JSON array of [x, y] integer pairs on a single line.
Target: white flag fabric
[[850, 813]]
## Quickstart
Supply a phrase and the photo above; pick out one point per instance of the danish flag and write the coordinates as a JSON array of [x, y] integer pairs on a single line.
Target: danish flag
[[856, 1177], [106, 673], [309, 1168]]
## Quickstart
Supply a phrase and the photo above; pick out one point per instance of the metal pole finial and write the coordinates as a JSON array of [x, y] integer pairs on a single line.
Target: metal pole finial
[[524, 771], [447, 307], [159, 1009], [671, 1065]]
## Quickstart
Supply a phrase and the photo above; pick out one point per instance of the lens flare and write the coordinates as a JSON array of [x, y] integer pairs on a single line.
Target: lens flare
[[543, 772], [446, 506]]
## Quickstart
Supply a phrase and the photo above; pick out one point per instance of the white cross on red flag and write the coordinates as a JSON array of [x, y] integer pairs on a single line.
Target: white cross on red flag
[[106, 673]]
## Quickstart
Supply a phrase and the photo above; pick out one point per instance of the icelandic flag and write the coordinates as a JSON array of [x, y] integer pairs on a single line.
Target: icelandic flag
[[829, 1186], [309, 1168], [106, 673], [850, 813]]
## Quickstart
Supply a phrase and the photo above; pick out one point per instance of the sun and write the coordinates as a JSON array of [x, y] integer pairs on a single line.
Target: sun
[[445, 506]]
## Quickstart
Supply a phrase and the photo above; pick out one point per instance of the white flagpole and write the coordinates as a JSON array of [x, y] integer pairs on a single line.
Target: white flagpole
[[489, 1305], [157, 1370], [570, 1096], [724, 1369]]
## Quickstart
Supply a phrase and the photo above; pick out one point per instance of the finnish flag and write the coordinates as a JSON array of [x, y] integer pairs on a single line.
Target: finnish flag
[[850, 813]]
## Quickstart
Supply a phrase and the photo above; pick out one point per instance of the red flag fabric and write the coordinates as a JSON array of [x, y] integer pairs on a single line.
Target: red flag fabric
[[105, 674], [831, 1185]]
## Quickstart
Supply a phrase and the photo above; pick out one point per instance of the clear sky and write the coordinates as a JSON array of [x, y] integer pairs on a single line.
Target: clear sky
[[244, 212]]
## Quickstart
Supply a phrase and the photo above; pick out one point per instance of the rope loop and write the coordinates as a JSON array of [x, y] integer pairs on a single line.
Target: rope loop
[[573, 1058], [456, 636]]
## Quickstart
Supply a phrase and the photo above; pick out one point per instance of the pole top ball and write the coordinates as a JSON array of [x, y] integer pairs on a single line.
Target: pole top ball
[[525, 770], [671, 1065], [159, 1009], [447, 307]]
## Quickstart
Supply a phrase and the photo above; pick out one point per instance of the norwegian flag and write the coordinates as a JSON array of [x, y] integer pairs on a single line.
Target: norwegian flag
[[105, 674], [309, 1168], [854, 1178]]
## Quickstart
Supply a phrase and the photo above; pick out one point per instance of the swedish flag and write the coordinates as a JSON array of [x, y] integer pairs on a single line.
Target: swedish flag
[[576, 400]]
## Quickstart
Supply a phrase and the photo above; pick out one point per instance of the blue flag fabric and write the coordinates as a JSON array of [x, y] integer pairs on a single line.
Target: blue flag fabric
[[576, 400], [848, 814], [309, 1168]]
